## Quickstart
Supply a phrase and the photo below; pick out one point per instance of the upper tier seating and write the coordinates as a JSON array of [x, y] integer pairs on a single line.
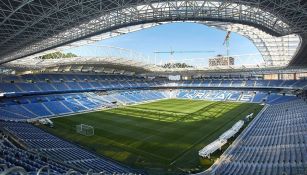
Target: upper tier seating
[[37, 83], [275, 143], [43, 83]]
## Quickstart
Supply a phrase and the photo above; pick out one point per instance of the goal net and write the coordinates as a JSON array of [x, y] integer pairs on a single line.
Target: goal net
[[85, 130]]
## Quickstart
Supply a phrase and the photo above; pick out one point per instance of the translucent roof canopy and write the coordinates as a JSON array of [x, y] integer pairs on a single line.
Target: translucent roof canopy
[[276, 51], [31, 27]]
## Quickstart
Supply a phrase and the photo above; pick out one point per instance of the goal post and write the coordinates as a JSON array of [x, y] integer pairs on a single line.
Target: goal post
[[85, 130]]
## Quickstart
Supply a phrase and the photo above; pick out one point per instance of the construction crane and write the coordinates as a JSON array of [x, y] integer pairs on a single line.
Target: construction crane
[[226, 42], [172, 52]]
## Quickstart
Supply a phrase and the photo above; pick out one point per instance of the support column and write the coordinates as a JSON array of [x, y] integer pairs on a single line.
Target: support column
[[294, 76]]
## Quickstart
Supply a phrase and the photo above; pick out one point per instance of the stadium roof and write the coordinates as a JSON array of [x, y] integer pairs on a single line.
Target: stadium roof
[[125, 65], [90, 64], [28, 27]]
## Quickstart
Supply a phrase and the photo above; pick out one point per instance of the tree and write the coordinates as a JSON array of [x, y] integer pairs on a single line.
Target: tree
[[176, 65], [56, 55]]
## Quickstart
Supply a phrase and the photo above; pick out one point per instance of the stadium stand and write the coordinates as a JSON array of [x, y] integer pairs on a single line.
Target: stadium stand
[[32, 97], [232, 95], [40, 106], [29, 107], [65, 83], [11, 156], [48, 145], [47, 72], [275, 143]]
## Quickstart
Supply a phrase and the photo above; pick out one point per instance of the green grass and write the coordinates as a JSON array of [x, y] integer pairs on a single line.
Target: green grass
[[163, 136]]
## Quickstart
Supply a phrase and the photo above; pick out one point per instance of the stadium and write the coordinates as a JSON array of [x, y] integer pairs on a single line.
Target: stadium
[[71, 105]]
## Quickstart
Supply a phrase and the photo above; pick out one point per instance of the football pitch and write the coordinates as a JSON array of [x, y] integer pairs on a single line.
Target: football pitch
[[162, 136]]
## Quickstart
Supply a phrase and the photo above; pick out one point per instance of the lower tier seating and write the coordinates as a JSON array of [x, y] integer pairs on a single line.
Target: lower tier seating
[[48, 145], [31, 107], [40, 106], [275, 143], [11, 156], [232, 95]]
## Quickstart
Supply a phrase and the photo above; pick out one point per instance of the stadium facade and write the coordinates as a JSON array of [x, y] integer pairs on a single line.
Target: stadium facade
[[34, 91]]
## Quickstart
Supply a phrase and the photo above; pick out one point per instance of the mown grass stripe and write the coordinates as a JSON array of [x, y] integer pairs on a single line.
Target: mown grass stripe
[[156, 134]]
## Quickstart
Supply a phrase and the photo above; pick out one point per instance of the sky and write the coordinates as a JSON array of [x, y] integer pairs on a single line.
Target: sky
[[182, 37]]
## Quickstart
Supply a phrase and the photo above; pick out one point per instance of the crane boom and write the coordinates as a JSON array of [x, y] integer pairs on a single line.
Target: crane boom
[[190, 51]]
